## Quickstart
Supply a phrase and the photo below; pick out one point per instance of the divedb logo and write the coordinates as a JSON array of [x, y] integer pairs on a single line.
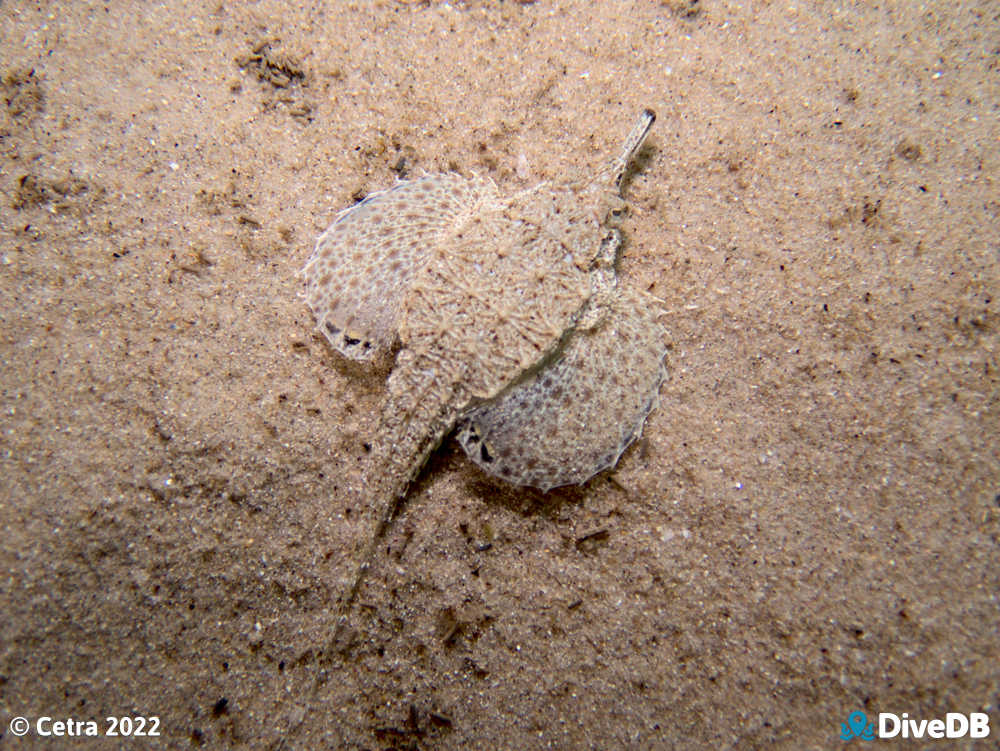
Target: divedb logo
[[889, 726]]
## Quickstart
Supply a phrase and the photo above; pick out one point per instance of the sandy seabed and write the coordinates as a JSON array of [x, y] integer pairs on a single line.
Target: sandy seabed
[[808, 527]]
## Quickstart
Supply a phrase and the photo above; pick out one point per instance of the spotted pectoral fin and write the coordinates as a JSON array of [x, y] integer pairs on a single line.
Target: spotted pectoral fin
[[575, 417], [363, 265]]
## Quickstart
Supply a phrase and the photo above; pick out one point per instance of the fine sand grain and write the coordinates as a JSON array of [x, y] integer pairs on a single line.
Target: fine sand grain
[[809, 526]]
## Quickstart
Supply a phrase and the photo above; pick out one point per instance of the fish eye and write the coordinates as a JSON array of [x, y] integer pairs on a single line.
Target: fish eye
[[615, 214]]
